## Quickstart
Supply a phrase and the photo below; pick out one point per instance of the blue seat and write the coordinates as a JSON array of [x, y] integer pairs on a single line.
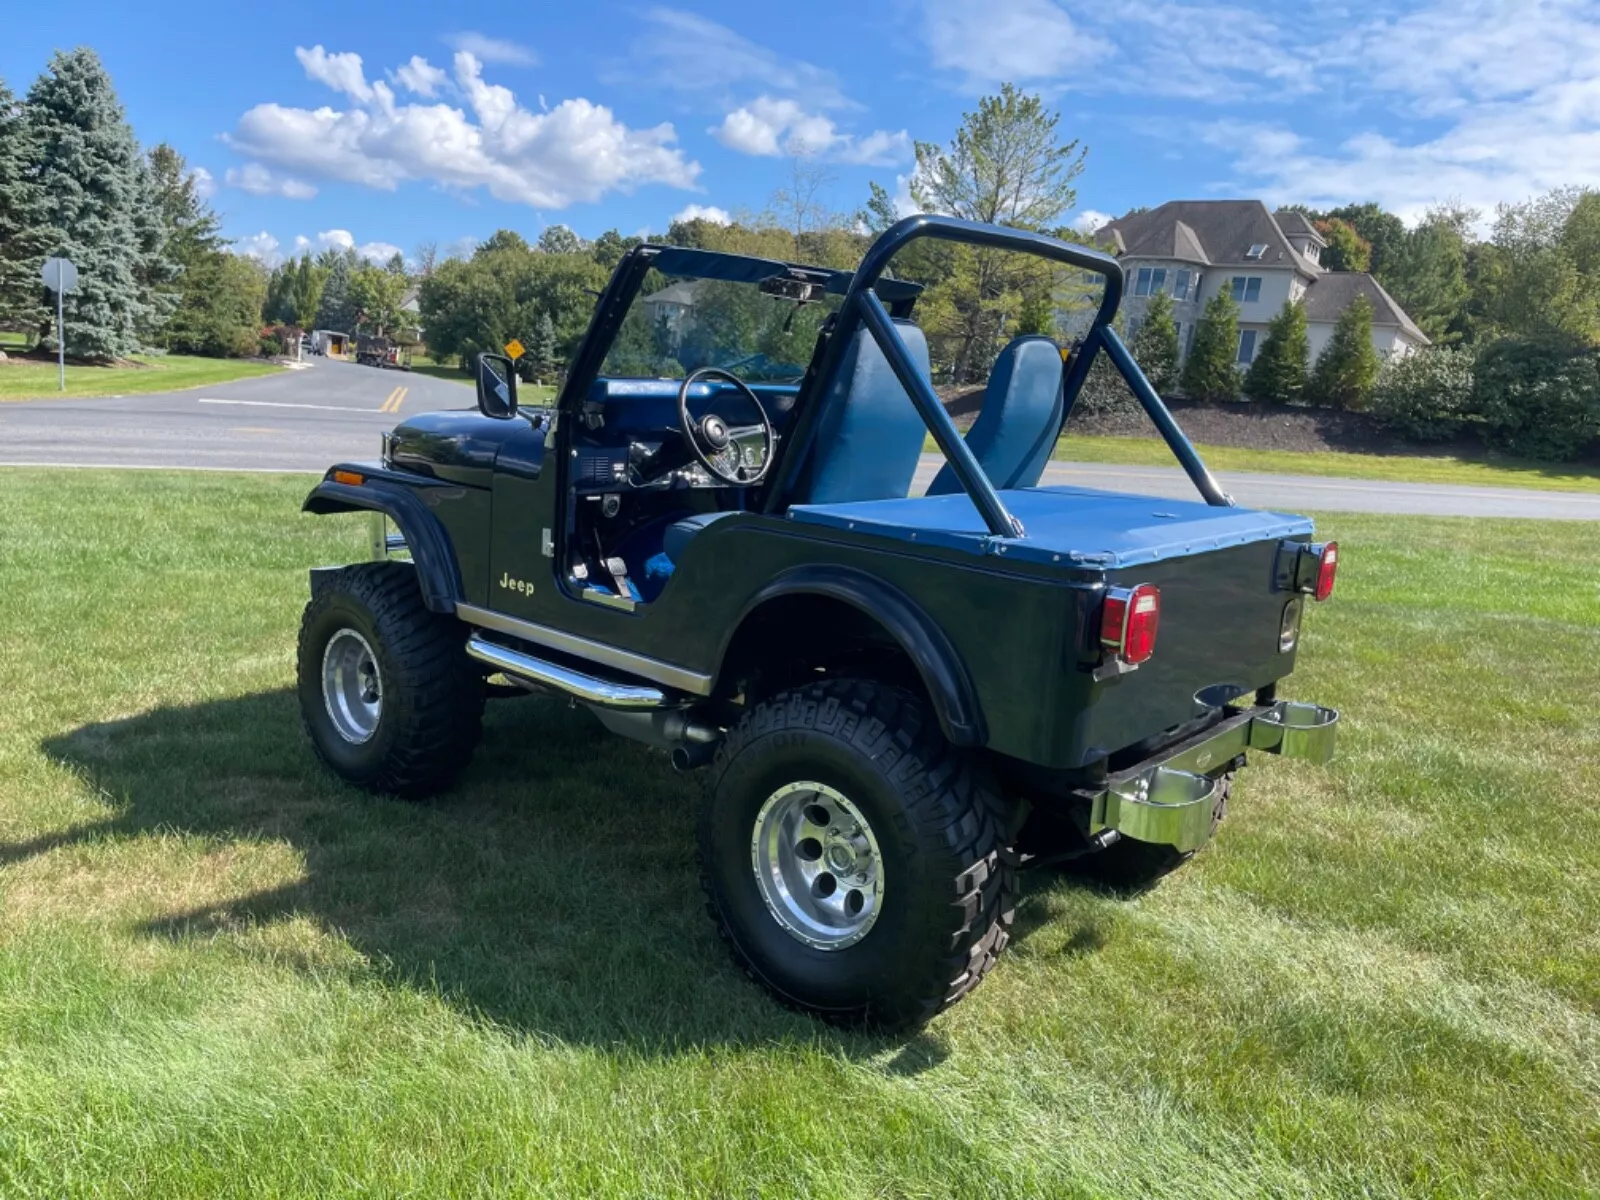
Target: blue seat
[[869, 435], [1020, 418]]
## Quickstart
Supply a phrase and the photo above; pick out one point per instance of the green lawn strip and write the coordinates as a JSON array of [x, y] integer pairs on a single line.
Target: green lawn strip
[[527, 393], [1498, 472], [223, 974], [164, 373]]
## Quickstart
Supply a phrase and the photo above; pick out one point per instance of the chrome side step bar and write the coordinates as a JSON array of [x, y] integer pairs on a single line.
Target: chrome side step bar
[[603, 693]]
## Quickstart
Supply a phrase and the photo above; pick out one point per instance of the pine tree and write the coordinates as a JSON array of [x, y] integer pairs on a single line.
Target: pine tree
[[306, 292], [1210, 373], [334, 311], [1348, 366], [1279, 371], [543, 351], [192, 240], [24, 237], [93, 186], [1155, 346]]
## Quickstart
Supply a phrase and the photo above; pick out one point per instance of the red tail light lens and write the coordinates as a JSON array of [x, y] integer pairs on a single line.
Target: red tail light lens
[[1327, 568], [1129, 620]]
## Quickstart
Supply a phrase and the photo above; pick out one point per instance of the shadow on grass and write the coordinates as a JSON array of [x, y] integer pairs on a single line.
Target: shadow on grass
[[553, 892]]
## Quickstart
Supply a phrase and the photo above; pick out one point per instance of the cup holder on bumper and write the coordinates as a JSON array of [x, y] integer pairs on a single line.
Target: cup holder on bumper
[[1173, 808], [1296, 730], [1171, 798]]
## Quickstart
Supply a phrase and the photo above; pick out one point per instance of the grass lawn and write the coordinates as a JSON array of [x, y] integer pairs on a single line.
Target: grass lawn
[[527, 393], [168, 372], [223, 974], [1495, 472]]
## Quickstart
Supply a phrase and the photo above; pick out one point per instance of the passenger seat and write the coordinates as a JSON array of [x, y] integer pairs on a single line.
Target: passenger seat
[[1021, 416]]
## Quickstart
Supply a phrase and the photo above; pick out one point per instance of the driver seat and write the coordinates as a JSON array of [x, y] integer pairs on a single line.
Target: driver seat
[[869, 435]]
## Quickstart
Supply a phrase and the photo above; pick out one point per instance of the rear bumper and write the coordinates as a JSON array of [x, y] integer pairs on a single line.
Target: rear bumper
[[1170, 798]]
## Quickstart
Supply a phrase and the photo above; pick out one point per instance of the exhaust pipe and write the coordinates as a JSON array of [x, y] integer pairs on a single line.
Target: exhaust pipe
[[603, 693]]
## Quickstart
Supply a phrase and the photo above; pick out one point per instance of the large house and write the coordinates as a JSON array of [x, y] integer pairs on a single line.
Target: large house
[[1192, 249]]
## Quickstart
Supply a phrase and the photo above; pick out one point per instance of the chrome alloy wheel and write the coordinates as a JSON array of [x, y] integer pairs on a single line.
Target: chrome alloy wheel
[[818, 865], [352, 689]]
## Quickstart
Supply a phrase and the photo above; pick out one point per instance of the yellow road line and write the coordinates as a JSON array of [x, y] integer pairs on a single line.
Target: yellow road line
[[395, 400]]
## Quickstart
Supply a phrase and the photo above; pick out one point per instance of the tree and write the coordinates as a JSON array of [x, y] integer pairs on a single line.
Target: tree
[[543, 350], [192, 243], [1155, 346], [1381, 231], [1006, 165], [1530, 279], [305, 295], [1346, 249], [24, 235], [335, 310], [558, 239], [375, 294], [1538, 397], [610, 246], [220, 313], [1348, 366], [1425, 396], [92, 185], [396, 264], [880, 210], [797, 207], [1210, 372], [1427, 274], [1279, 370]]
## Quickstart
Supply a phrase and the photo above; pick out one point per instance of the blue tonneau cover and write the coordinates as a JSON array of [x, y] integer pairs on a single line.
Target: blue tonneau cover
[[1080, 526]]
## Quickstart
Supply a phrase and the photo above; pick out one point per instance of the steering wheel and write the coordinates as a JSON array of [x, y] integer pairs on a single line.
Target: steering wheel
[[726, 458]]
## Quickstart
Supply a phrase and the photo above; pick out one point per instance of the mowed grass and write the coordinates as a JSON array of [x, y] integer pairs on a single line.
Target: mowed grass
[[222, 974], [1491, 471], [527, 393], [165, 373]]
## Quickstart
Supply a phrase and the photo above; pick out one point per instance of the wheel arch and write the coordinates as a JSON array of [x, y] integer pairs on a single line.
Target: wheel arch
[[919, 638], [432, 552]]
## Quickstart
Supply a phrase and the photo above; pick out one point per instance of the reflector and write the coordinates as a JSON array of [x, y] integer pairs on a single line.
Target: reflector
[[1327, 568]]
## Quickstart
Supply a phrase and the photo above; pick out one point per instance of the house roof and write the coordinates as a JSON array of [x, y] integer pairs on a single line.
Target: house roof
[[1297, 224], [1210, 232], [1335, 291]]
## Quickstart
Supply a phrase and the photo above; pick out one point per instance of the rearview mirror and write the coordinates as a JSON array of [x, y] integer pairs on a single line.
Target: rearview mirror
[[790, 287], [497, 386]]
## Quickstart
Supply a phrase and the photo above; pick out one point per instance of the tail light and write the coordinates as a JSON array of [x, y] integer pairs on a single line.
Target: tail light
[[1327, 568], [1128, 622]]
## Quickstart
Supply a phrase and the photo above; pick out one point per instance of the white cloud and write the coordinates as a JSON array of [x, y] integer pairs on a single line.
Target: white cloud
[[703, 212], [258, 181], [261, 246], [205, 183], [1090, 220], [341, 72], [684, 51], [771, 126], [421, 77], [1017, 40], [488, 49], [577, 151]]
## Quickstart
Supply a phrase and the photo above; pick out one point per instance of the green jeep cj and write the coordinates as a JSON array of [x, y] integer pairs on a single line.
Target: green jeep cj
[[901, 694]]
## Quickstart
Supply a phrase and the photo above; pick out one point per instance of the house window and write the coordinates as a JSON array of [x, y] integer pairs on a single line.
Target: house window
[[1189, 345], [1246, 288], [1180, 289], [1158, 281], [1256, 251], [1247, 345], [1177, 329], [1142, 285]]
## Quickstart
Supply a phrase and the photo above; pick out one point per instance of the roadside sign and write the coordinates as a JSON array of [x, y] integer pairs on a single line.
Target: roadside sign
[[59, 275], [514, 349]]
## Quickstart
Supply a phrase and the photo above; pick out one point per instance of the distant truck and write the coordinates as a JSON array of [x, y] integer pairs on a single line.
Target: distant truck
[[381, 352]]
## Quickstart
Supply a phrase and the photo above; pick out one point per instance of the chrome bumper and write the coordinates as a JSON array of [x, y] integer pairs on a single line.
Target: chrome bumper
[[1170, 798]]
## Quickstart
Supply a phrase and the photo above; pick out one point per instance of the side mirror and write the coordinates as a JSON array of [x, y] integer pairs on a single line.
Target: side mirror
[[497, 386]]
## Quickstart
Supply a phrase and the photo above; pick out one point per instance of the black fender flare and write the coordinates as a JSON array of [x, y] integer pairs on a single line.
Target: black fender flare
[[949, 685], [432, 552]]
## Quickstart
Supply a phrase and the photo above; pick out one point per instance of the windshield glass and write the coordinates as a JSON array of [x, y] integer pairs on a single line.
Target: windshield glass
[[678, 324]]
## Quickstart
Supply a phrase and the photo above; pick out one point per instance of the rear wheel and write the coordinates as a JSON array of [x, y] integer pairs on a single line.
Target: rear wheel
[[388, 696], [853, 860]]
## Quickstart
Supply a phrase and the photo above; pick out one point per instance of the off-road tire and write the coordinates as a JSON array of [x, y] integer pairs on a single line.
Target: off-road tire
[[433, 694], [1131, 866], [949, 876]]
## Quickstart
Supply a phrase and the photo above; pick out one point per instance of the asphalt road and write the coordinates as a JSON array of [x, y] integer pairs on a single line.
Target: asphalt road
[[307, 419]]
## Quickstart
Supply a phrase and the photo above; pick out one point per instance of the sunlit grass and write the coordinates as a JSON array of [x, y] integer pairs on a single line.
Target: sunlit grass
[[168, 372], [223, 974], [1492, 471]]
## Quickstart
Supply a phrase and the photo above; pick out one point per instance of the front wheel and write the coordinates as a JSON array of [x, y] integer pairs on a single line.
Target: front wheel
[[388, 696], [854, 860]]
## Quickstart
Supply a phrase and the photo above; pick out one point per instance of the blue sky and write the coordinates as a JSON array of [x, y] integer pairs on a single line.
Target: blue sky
[[387, 125]]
